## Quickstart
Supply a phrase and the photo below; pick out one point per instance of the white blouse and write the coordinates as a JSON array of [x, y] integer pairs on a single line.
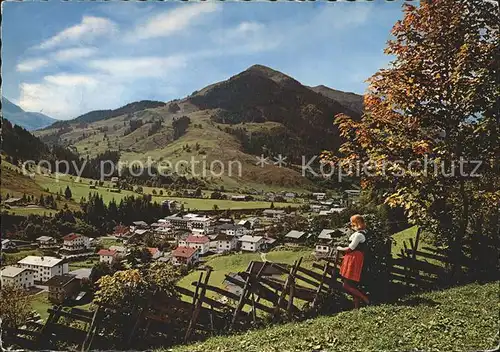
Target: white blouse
[[356, 238]]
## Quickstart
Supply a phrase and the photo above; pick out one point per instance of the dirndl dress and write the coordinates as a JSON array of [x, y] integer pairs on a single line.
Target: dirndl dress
[[352, 265]]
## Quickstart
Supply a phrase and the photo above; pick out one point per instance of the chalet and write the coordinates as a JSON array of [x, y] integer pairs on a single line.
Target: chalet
[[319, 196], [139, 225], [155, 253], [232, 230], [121, 230], [107, 256], [250, 223], [274, 214], [324, 246], [294, 237], [268, 242], [251, 243], [185, 255], [17, 277], [46, 242], [226, 243], [62, 287], [44, 267], [8, 244], [120, 250], [75, 242], [202, 243]]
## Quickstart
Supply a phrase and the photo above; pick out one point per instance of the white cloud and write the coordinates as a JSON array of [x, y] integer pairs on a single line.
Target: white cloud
[[89, 28], [74, 53], [165, 24], [31, 65], [138, 66], [66, 96], [71, 80], [246, 38]]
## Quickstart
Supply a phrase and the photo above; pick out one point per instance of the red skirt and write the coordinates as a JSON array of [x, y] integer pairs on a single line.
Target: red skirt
[[352, 265]]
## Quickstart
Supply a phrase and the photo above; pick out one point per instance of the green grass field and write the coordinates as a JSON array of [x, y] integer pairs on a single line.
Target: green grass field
[[13, 258], [84, 263], [458, 319], [40, 303], [233, 263]]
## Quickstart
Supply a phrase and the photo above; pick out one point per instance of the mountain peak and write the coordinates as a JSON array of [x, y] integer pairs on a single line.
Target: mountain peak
[[277, 76]]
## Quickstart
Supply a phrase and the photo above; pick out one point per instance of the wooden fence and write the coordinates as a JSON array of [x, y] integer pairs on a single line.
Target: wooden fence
[[266, 292]]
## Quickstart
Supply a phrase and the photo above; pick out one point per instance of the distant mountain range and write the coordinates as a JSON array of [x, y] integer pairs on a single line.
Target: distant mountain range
[[28, 120], [259, 111]]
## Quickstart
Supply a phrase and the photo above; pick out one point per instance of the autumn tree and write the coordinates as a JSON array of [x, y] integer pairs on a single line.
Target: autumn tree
[[429, 134], [15, 308], [126, 290]]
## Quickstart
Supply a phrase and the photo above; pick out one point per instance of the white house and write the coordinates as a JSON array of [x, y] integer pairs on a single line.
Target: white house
[[45, 267], [251, 243], [226, 243], [46, 242], [202, 243], [17, 277], [319, 195], [275, 214], [290, 195], [185, 255], [323, 246], [107, 255], [233, 230], [75, 242]]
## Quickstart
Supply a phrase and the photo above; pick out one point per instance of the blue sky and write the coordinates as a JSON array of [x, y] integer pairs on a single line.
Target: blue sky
[[67, 58]]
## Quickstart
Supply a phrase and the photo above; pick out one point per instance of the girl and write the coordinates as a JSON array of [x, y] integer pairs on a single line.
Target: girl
[[352, 263]]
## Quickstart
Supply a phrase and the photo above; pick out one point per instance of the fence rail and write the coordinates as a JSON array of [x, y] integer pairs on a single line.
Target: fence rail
[[267, 292]]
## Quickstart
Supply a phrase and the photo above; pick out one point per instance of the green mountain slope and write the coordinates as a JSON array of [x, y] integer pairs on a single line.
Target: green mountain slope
[[257, 112], [459, 319]]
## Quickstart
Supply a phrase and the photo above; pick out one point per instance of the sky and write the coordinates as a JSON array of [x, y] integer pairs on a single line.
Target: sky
[[67, 58]]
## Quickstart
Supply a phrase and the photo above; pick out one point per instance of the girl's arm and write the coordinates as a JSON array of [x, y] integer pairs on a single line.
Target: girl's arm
[[352, 246]]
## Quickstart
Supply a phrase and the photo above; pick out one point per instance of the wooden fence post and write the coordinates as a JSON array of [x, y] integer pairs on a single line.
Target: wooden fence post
[[198, 305]]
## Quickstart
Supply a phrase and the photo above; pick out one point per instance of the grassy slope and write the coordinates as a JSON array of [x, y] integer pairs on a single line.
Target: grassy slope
[[458, 319], [40, 303], [215, 143], [239, 262]]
